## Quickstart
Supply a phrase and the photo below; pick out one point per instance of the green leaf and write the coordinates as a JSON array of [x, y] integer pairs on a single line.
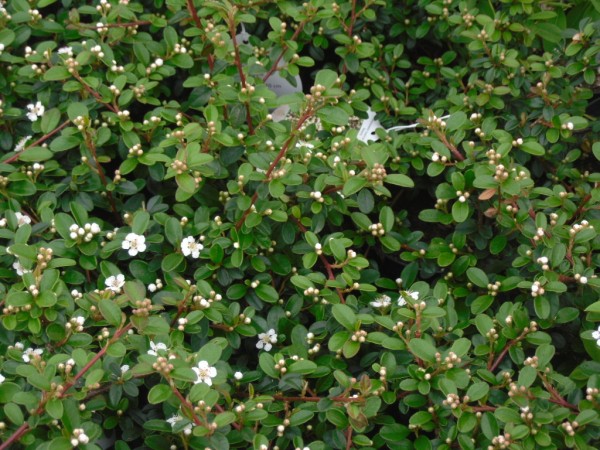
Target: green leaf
[[345, 316], [399, 179], [171, 262], [354, 185], [76, 109], [210, 353], [54, 408], [267, 293], [50, 120], [477, 277], [533, 148], [422, 349], [110, 311], [333, 115], [13, 413], [460, 211], [159, 393]]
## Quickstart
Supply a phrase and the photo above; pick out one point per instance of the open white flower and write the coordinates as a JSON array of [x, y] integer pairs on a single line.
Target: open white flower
[[124, 368], [21, 144], [115, 282], [596, 335], [265, 340], [19, 268], [31, 353], [205, 373], [22, 219], [35, 110], [381, 302], [154, 348], [135, 243], [65, 51], [189, 246], [2, 378], [174, 419]]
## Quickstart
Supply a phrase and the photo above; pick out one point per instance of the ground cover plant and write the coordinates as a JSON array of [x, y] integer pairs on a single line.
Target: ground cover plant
[[211, 238]]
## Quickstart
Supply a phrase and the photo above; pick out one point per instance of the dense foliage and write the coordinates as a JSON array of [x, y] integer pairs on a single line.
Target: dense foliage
[[211, 238]]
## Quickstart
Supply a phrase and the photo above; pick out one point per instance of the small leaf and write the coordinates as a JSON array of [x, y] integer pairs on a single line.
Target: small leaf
[[110, 311], [345, 316]]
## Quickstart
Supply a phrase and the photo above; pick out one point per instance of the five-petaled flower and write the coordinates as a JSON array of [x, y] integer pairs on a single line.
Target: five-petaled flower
[[154, 348], [265, 340], [19, 268], [381, 302], [189, 246], [115, 282], [22, 219], [596, 335], [31, 353], [135, 243], [205, 373], [35, 110]]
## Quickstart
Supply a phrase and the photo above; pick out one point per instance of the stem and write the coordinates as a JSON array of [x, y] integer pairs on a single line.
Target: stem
[[278, 158], [349, 438], [283, 50], [45, 137], [40, 409], [240, 69], [328, 266], [350, 30], [92, 147], [187, 404], [94, 94], [339, 399], [108, 25]]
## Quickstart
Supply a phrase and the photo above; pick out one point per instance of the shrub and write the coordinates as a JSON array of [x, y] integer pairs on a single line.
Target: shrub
[[198, 254]]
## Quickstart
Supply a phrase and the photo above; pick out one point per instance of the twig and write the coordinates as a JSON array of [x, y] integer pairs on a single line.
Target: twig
[[187, 404], [283, 50], [278, 158], [349, 438], [14, 157], [92, 147], [60, 394], [240, 69], [94, 93]]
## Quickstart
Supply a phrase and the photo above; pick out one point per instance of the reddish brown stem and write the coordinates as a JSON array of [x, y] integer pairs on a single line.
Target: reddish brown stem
[[111, 200], [240, 69], [283, 50], [338, 399], [94, 94], [483, 408], [14, 157], [350, 30], [40, 409], [278, 158], [328, 266], [349, 438], [187, 405], [110, 25]]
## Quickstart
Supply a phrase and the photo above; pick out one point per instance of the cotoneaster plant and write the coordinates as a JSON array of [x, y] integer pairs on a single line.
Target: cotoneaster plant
[[272, 225]]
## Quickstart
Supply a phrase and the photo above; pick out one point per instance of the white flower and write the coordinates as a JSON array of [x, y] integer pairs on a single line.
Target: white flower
[[115, 282], [124, 368], [174, 419], [30, 353], [20, 269], [79, 320], [205, 373], [382, 302], [413, 295], [19, 346], [238, 375], [2, 378], [22, 219], [35, 111], [156, 347], [265, 340], [65, 51], [401, 301], [135, 243], [189, 246], [596, 335], [21, 144]]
